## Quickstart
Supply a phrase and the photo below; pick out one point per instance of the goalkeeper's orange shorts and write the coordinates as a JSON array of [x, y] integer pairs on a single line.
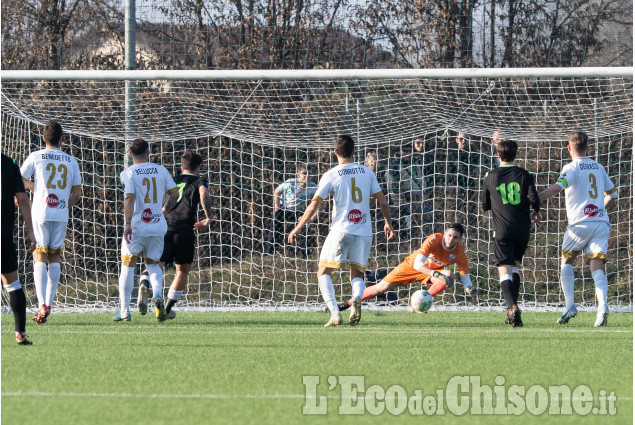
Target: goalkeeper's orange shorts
[[405, 274]]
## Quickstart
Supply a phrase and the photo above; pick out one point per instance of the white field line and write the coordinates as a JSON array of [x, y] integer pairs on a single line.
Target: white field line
[[221, 396], [370, 330]]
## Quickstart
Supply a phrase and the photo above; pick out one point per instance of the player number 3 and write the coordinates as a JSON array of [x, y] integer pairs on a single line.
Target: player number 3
[[511, 195]]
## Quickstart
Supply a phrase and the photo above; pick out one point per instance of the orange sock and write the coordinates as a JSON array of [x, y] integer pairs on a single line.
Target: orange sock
[[369, 292], [437, 287]]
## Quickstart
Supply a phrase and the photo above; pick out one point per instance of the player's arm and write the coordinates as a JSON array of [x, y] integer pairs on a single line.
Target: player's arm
[[276, 198], [534, 200], [25, 210], [206, 203], [309, 214], [486, 201], [385, 211], [28, 184], [76, 195], [420, 266], [551, 191], [128, 211]]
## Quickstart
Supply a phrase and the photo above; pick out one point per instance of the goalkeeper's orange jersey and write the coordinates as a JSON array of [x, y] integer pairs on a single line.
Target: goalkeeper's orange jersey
[[439, 257]]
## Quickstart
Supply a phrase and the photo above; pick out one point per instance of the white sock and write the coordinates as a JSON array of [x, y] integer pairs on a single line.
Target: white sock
[[601, 287], [126, 283], [328, 293], [358, 287], [567, 280], [40, 277], [174, 295], [55, 271], [156, 280]]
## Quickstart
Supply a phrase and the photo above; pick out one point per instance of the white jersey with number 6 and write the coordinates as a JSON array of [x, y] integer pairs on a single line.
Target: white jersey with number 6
[[352, 186], [55, 175], [585, 182], [148, 184]]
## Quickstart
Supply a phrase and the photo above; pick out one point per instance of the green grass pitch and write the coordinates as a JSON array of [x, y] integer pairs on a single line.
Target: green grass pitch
[[248, 367]]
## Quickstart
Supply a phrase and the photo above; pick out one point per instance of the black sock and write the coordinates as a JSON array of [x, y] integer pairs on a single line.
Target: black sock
[[169, 305], [506, 288], [17, 301], [516, 287]]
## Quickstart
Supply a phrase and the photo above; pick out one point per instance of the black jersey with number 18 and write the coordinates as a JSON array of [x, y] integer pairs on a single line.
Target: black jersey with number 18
[[509, 191], [180, 210]]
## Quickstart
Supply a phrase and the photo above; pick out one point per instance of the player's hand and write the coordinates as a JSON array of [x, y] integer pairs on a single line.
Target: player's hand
[[30, 242], [294, 235], [536, 217], [29, 185], [202, 224], [127, 233], [389, 231], [449, 280], [470, 294]]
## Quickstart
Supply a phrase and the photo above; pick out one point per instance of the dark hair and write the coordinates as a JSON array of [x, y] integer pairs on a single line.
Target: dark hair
[[458, 227], [53, 133], [344, 146], [507, 150], [138, 147], [191, 160], [579, 141]]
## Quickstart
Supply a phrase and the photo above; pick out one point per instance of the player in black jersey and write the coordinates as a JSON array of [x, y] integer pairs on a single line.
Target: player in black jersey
[[12, 191], [509, 191], [180, 213]]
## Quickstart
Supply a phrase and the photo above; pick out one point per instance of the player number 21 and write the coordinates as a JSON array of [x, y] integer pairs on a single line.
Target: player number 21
[[511, 194], [150, 186]]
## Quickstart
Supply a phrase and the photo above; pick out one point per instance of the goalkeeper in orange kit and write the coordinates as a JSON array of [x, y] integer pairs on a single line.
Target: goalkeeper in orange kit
[[428, 265]]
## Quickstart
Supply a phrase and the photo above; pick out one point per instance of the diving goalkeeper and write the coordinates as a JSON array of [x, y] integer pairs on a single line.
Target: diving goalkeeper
[[428, 266]]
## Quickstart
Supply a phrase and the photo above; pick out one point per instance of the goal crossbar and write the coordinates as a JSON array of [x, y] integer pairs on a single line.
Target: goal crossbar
[[317, 74]]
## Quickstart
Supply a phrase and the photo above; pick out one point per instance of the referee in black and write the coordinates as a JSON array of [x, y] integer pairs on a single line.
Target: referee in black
[[509, 191], [180, 213], [12, 191]]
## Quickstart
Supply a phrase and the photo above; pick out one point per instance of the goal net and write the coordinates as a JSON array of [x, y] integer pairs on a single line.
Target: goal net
[[254, 129]]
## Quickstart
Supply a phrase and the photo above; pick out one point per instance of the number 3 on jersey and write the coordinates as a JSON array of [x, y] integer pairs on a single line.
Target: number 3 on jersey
[[356, 192], [511, 194]]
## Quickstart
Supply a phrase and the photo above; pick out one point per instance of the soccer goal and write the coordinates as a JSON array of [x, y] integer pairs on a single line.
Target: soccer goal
[[255, 129]]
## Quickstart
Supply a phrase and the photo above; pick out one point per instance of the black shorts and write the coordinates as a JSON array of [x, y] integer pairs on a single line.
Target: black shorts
[[508, 251], [178, 247], [9, 256]]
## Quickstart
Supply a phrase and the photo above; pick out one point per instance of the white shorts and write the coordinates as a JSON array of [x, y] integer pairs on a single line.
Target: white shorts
[[151, 247], [49, 236], [340, 247], [592, 238]]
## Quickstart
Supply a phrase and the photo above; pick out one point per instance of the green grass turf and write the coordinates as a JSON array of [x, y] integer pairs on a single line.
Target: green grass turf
[[247, 367]]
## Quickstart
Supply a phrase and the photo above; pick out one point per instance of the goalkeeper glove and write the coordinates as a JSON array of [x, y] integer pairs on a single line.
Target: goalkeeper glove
[[448, 280], [470, 294]]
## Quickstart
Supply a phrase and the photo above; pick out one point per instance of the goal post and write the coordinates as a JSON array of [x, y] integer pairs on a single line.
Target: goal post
[[254, 130]]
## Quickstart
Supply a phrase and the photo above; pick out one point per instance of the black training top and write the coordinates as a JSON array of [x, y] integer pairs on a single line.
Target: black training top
[[11, 184], [509, 191], [180, 211]]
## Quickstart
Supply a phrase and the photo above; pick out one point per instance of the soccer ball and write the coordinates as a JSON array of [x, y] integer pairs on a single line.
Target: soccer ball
[[421, 300]]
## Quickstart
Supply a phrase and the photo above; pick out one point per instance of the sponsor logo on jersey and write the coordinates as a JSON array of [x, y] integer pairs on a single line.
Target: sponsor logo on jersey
[[148, 217], [591, 210], [356, 217], [434, 261], [52, 201]]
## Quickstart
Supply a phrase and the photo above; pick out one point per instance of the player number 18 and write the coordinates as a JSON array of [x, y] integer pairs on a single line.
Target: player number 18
[[511, 194]]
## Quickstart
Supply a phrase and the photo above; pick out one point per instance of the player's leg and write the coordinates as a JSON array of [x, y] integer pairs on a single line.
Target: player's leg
[[40, 268], [358, 252], [129, 254], [56, 237], [11, 283], [596, 255], [153, 248], [505, 262], [573, 243], [183, 250], [334, 253]]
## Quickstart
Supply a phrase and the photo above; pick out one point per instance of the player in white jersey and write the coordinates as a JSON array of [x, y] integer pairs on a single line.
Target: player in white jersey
[[145, 185], [352, 187], [56, 184], [588, 191]]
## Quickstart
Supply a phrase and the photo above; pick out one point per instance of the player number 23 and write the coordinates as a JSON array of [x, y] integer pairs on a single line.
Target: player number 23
[[511, 194], [63, 175], [150, 186]]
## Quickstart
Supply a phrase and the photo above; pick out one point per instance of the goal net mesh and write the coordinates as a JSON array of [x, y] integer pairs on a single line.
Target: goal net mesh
[[253, 135]]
